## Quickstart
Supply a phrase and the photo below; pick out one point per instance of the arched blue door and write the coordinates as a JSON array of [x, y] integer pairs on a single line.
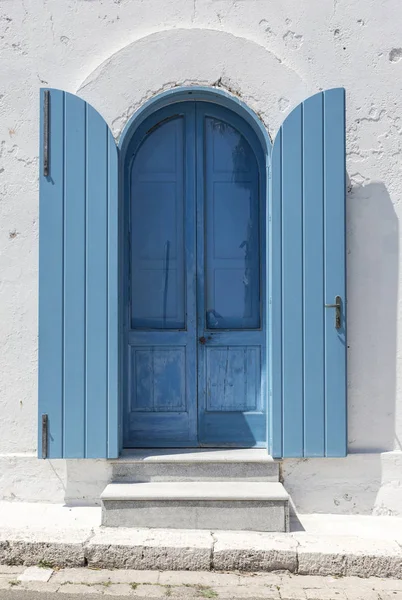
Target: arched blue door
[[195, 327]]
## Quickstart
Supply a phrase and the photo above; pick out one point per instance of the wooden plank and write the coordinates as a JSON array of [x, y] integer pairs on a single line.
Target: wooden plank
[[74, 277], [335, 269], [51, 207], [313, 276], [292, 273], [96, 284], [274, 260], [113, 325]]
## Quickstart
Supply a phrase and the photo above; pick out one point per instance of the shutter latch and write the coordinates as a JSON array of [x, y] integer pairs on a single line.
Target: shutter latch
[[338, 308]]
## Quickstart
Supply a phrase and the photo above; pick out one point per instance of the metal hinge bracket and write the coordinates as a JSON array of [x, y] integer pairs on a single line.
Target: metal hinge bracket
[[45, 436], [46, 133]]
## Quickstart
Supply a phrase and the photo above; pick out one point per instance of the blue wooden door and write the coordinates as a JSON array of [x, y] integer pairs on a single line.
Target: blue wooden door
[[195, 324]]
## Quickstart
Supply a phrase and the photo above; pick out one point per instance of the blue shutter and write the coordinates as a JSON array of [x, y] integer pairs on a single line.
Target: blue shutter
[[78, 281], [307, 259]]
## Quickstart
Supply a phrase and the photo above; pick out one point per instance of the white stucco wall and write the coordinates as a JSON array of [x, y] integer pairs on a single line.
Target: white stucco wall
[[117, 54]]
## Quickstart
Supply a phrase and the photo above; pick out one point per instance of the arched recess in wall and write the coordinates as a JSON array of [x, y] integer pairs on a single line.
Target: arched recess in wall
[[175, 58]]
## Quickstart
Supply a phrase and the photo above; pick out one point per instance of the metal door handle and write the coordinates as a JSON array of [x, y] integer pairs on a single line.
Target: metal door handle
[[338, 308], [203, 340]]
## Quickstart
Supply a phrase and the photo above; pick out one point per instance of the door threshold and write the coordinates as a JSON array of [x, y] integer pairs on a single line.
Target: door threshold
[[178, 455]]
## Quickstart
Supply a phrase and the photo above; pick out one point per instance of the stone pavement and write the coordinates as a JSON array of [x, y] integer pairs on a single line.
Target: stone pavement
[[20, 583], [324, 545]]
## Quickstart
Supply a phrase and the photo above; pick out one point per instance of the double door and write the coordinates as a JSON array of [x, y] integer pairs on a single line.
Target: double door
[[196, 319]]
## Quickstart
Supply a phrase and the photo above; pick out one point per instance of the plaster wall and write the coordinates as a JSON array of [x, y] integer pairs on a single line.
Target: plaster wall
[[117, 54]]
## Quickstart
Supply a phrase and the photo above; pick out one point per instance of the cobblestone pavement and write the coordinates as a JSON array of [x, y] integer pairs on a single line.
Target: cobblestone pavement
[[21, 583]]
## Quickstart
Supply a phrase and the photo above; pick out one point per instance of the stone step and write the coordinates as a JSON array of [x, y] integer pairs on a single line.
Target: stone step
[[195, 465], [220, 505]]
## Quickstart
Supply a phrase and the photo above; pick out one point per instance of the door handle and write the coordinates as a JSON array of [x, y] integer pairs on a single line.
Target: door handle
[[338, 308], [203, 340]]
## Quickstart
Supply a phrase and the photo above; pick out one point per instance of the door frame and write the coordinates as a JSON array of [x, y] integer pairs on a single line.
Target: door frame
[[220, 98]]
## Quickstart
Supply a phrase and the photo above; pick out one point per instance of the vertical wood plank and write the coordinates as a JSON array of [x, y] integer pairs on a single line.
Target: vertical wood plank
[[313, 276], [74, 277], [51, 207], [275, 299], [334, 216], [292, 300], [113, 331], [96, 285]]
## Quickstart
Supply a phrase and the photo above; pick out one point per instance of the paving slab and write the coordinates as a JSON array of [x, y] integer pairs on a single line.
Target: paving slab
[[292, 592], [35, 574], [88, 575], [79, 589], [150, 591], [5, 581], [11, 570], [119, 589], [325, 594], [37, 586], [198, 578], [252, 591]]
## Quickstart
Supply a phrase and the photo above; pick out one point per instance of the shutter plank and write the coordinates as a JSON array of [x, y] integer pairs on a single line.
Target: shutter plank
[[335, 339], [96, 284], [74, 277], [51, 204], [313, 276], [292, 300], [275, 284], [113, 416]]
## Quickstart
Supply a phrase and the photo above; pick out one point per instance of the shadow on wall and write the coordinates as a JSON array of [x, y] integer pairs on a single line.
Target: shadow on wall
[[352, 485], [372, 290]]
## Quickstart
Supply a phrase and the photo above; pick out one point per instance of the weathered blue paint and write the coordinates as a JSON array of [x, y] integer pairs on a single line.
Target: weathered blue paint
[[78, 361], [308, 384], [173, 149]]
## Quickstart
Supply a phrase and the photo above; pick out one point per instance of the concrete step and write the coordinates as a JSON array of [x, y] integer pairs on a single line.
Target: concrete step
[[220, 505], [195, 465]]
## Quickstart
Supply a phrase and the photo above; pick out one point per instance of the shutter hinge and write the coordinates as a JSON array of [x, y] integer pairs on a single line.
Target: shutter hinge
[[46, 133], [45, 436]]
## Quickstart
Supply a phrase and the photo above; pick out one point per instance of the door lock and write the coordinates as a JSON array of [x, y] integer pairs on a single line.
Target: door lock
[[338, 307], [203, 340]]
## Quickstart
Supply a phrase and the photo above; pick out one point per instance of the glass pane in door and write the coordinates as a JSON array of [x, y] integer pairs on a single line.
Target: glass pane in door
[[232, 261]]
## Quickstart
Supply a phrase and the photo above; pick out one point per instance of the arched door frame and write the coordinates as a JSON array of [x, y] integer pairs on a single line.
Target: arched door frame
[[224, 99]]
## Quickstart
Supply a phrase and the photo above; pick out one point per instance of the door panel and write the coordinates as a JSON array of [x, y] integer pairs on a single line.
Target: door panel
[[162, 334], [231, 351]]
